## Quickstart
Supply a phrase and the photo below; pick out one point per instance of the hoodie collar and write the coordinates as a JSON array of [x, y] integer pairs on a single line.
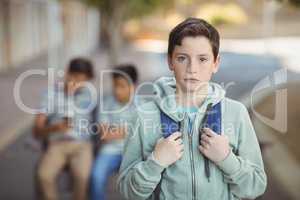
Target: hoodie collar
[[165, 91]]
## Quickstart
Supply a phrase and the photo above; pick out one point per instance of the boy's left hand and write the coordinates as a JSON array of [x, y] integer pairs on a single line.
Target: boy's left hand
[[215, 147]]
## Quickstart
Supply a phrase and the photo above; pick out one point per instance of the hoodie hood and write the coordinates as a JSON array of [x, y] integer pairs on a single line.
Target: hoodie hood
[[165, 88]]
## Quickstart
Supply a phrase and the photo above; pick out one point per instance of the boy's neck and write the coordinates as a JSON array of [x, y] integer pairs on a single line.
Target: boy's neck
[[191, 99], [123, 101]]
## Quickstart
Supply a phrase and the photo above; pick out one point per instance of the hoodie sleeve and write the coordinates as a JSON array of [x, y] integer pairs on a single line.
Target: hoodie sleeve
[[138, 177], [244, 172]]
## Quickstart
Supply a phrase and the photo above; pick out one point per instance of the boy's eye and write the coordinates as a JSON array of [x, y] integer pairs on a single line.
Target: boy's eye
[[203, 59], [180, 58]]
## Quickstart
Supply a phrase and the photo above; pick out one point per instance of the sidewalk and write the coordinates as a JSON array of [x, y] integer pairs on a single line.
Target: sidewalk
[[12, 119]]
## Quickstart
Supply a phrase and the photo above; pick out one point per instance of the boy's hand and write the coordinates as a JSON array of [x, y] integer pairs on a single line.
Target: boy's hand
[[63, 126], [214, 146], [168, 150], [112, 133]]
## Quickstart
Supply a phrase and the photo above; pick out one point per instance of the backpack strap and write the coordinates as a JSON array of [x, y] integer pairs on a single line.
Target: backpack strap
[[213, 120], [168, 125]]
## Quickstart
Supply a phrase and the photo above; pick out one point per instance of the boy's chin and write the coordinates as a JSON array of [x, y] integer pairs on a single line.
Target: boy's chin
[[191, 88]]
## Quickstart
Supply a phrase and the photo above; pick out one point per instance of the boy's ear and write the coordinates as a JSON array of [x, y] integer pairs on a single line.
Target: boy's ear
[[216, 65], [170, 63]]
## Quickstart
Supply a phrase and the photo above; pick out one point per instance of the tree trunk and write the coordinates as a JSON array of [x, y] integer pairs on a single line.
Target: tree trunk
[[111, 31], [6, 34], [115, 41], [104, 33]]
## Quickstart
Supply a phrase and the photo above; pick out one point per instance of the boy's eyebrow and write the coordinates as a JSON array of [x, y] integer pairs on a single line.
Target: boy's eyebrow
[[185, 54], [203, 55]]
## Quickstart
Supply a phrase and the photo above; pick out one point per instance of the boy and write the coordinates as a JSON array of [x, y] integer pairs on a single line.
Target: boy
[[116, 115], [175, 166], [63, 127]]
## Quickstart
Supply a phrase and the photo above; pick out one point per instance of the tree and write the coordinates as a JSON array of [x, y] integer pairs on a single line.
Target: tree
[[113, 13], [292, 2], [295, 2]]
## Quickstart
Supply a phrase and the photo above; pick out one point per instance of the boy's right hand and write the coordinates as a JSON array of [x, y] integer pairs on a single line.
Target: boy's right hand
[[63, 126], [168, 150]]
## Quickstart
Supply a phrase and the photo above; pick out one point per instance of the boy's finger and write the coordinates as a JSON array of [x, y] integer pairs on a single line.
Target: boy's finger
[[174, 136], [202, 150], [205, 144], [180, 155], [209, 132], [181, 148], [179, 141], [205, 138]]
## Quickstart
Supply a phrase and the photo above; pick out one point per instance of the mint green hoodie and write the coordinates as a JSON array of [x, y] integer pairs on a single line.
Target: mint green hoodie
[[240, 175]]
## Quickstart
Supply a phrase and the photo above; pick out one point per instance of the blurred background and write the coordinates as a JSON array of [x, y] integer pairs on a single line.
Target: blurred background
[[260, 62]]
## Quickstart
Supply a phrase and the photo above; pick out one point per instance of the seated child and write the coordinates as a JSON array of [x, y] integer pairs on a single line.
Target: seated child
[[116, 112], [62, 123]]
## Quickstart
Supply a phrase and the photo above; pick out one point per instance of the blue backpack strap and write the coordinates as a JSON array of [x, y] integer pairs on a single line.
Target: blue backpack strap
[[168, 125], [214, 119]]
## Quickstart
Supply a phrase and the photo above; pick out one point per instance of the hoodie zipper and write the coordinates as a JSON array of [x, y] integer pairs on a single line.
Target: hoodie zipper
[[190, 133], [192, 159], [191, 152]]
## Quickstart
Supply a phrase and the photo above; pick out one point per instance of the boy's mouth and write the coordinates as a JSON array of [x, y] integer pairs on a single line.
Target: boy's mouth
[[191, 80]]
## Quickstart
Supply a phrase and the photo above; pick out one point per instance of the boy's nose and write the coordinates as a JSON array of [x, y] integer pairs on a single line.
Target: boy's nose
[[192, 67]]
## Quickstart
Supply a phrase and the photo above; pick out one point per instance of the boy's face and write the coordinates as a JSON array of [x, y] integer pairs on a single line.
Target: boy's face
[[74, 81], [122, 89], [193, 63]]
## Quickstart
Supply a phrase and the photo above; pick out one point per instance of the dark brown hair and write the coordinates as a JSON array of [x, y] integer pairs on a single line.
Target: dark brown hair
[[123, 70], [81, 65], [193, 27]]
